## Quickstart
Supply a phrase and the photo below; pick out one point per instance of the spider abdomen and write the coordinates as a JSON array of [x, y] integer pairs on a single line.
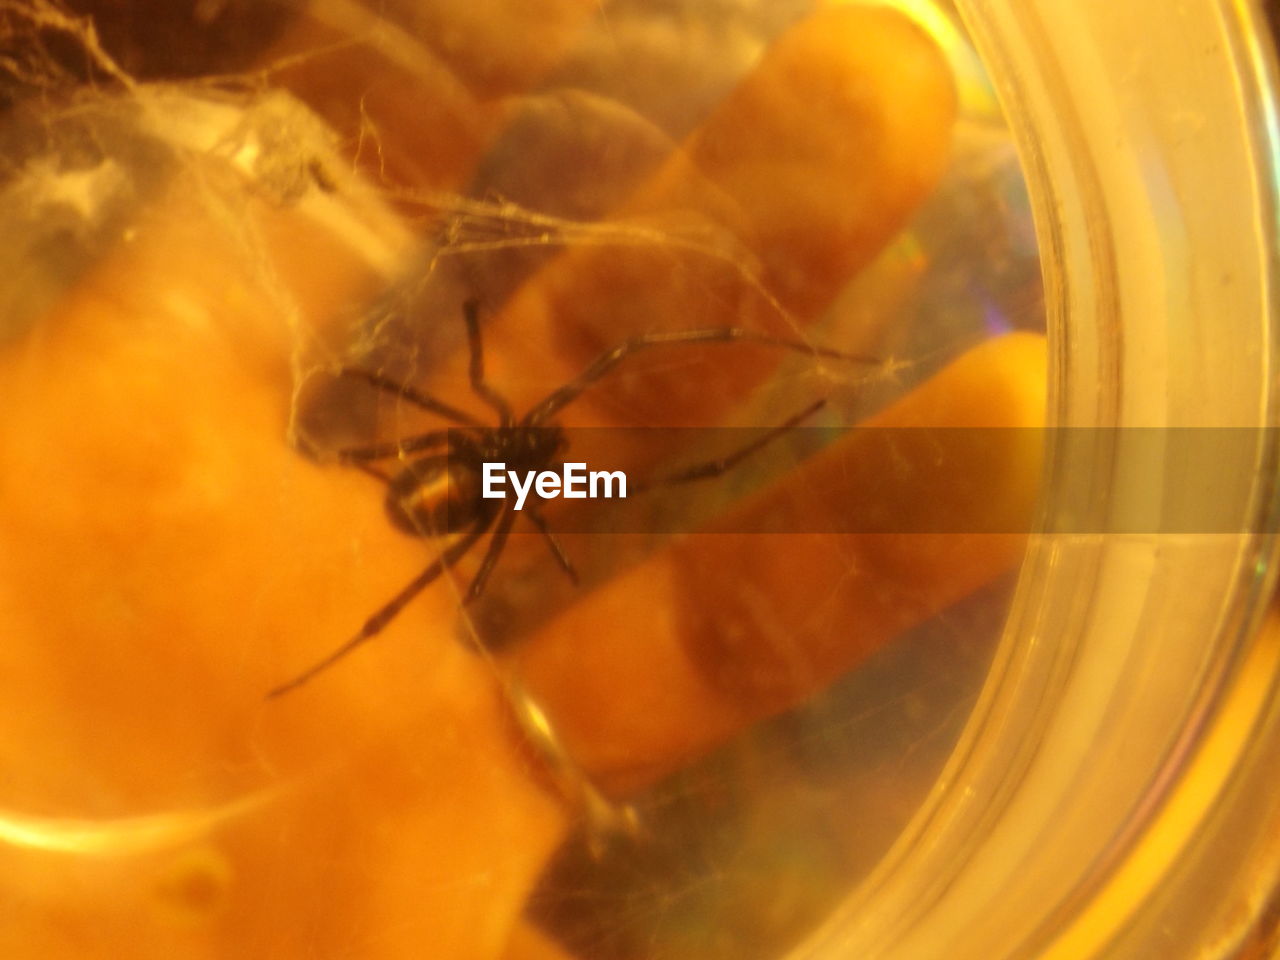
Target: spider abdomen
[[437, 495]]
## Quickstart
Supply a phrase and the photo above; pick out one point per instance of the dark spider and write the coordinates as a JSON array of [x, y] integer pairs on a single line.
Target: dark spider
[[439, 493]]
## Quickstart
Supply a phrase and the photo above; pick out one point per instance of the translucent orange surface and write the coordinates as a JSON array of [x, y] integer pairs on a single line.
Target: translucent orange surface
[[166, 558]]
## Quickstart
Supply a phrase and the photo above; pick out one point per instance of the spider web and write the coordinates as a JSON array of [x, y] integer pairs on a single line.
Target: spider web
[[746, 852]]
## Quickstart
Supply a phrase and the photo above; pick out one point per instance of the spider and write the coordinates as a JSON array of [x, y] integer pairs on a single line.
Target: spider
[[438, 492]]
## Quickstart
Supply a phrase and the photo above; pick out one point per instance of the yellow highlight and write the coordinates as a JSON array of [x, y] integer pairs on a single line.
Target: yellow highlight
[[1172, 830], [120, 837]]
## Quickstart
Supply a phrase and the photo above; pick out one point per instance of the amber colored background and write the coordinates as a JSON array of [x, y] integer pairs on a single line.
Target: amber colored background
[[166, 557]]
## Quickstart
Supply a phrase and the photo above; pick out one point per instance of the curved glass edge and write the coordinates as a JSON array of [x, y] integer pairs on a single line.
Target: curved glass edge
[[1111, 788], [1201, 875]]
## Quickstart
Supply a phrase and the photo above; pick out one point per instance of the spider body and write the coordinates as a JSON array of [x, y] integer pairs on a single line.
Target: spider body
[[438, 493], [442, 494]]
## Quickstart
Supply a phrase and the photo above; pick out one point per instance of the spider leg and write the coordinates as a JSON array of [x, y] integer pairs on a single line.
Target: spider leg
[[557, 550], [555, 401], [499, 540], [432, 440], [388, 612], [372, 471], [722, 465], [417, 398], [471, 315]]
